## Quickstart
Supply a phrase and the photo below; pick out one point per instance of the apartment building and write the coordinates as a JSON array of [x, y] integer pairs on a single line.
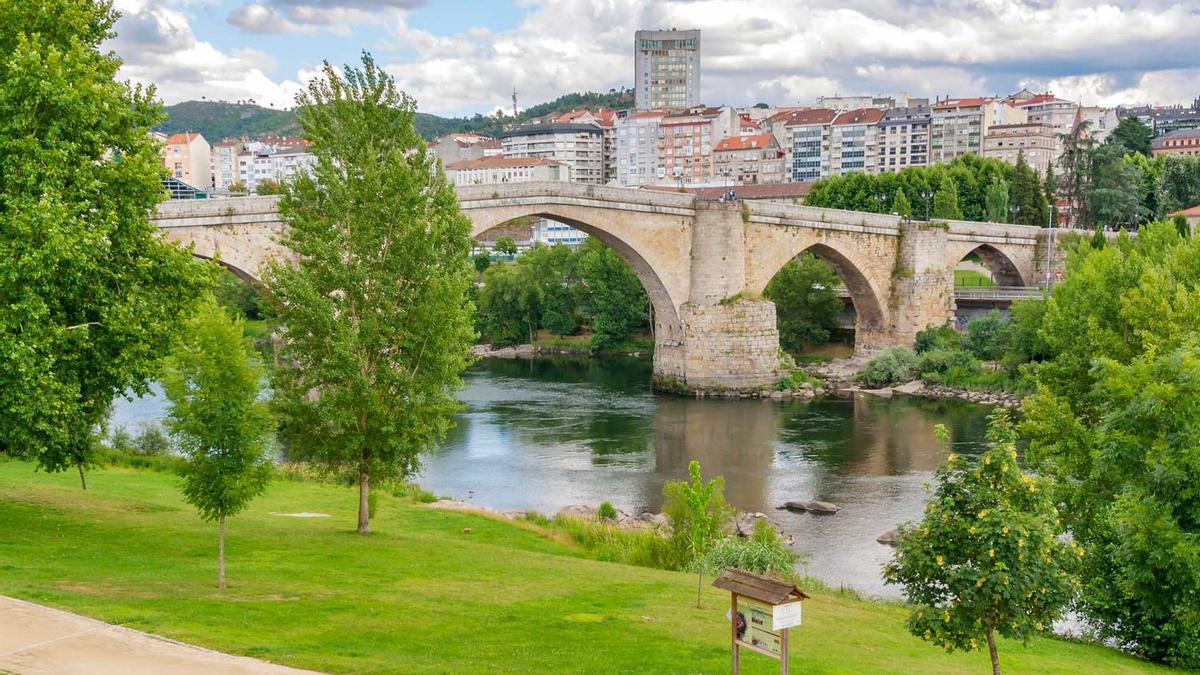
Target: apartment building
[[903, 138], [1181, 142], [749, 160], [606, 120], [637, 147], [273, 163], [463, 147], [1036, 141], [666, 69], [579, 146], [853, 143], [686, 141], [957, 127], [189, 158], [497, 169], [225, 162], [808, 134], [1101, 121]]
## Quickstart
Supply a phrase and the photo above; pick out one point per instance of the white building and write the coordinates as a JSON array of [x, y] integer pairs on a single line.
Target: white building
[[579, 146], [637, 147], [666, 69], [491, 170], [277, 165], [189, 158], [852, 142]]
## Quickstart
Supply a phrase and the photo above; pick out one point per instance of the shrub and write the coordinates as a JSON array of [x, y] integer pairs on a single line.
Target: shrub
[[897, 364], [938, 337], [606, 511], [988, 336], [938, 362], [764, 557]]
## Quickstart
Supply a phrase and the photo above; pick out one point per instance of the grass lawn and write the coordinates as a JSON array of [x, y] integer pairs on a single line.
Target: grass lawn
[[972, 278], [419, 595]]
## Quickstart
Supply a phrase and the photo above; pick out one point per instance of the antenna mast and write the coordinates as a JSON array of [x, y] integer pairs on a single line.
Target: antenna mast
[[514, 103]]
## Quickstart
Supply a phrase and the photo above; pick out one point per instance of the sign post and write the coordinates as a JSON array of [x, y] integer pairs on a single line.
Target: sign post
[[761, 610]]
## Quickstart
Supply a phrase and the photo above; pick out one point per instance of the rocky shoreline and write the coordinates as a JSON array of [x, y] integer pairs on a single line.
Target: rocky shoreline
[[529, 351]]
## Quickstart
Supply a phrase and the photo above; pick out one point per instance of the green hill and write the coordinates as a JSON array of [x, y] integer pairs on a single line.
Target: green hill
[[217, 119]]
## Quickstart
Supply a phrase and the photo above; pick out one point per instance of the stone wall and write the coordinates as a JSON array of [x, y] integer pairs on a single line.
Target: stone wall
[[731, 346], [922, 282]]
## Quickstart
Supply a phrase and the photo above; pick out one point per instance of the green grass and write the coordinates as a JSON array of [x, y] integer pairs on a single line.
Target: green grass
[[419, 595], [972, 278]]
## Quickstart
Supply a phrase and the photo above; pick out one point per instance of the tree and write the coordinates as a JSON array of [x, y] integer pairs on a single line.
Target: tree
[[1025, 195], [698, 515], [986, 557], [268, 186], [901, 205], [236, 187], [1050, 187], [1178, 183], [505, 246], [90, 296], [1076, 164], [1132, 135], [509, 304], [806, 301], [218, 418], [481, 261], [945, 200], [555, 271], [987, 336], [374, 314], [613, 295], [1113, 187], [996, 200]]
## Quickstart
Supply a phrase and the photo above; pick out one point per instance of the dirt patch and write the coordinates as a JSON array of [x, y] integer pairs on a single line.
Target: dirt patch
[[303, 514]]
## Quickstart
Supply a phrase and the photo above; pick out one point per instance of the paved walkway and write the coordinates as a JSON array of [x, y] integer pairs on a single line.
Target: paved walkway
[[35, 640]]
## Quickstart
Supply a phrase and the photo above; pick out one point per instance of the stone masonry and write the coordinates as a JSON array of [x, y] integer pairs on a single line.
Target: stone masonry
[[703, 264]]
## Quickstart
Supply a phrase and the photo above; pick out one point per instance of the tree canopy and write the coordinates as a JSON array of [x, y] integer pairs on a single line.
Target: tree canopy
[[806, 301]]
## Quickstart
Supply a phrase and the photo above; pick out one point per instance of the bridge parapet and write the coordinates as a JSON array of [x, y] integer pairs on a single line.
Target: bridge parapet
[[478, 196]]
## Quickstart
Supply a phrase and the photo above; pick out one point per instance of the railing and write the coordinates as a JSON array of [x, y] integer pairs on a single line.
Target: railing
[[982, 292]]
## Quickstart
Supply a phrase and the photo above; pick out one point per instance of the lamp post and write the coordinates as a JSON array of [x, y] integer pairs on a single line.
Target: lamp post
[[1049, 245], [926, 196]]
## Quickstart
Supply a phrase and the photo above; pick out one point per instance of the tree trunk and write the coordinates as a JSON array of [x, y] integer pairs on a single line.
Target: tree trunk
[[699, 579], [221, 553], [82, 480], [364, 512], [991, 638]]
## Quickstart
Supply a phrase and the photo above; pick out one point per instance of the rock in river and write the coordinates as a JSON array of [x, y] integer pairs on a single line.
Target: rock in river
[[888, 538], [816, 507]]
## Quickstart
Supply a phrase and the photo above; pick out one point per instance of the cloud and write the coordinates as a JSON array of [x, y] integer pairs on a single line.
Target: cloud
[[159, 47], [307, 16], [789, 51]]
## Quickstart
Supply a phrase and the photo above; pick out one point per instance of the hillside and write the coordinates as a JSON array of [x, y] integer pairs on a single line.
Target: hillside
[[217, 120]]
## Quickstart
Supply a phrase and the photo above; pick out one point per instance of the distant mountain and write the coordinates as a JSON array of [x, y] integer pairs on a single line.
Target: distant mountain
[[217, 120]]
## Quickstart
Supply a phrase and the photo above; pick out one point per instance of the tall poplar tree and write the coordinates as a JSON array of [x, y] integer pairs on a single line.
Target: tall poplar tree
[[90, 297], [945, 200], [374, 313]]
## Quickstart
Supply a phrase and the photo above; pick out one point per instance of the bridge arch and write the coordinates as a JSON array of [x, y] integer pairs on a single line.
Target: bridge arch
[[1004, 269]]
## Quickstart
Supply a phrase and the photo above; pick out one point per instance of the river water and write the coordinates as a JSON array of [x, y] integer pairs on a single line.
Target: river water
[[548, 433]]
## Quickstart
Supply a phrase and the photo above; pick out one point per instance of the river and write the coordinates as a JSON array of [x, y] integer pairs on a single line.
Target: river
[[548, 433]]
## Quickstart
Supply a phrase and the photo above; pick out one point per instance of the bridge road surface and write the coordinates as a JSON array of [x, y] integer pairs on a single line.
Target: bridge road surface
[[38, 640]]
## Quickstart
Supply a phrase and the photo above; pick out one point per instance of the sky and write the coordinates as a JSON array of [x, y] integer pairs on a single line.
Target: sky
[[460, 57]]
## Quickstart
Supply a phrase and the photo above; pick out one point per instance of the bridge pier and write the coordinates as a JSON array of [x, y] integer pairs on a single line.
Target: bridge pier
[[922, 282]]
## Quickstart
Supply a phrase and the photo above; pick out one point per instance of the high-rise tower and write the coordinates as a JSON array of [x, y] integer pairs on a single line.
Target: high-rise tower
[[666, 68]]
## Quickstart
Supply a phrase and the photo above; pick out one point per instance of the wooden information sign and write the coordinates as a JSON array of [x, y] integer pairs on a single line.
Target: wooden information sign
[[761, 610]]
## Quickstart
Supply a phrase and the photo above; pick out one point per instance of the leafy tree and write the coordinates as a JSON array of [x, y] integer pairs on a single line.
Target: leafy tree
[[374, 314], [985, 558], [268, 186], [505, 246], [897, 364], [945, 200], [614, 295], [1113, 187], [900, 205], [481, 261], [996, 200], [1076, 164], [1115, 423], [1132, 136], [1025, 340], [1050, 188], [510, 304], [1028, 202], [236, 187], [698, 515], [937, 337], [90, 296], [555, 271], [987, 336], [1178, 183], [218, 418], [806, 301], [1149, 171], [238, 297]]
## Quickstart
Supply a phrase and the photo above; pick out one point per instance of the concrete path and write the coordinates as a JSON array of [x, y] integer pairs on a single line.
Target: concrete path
[[35, 640]]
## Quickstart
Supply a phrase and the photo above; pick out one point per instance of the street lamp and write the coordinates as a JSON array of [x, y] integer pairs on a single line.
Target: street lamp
[[879, 199], [1013, 212], [1049, 244], [926, 196]]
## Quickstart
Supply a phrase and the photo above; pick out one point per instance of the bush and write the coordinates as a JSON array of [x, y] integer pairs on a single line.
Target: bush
[[938, 337], [938, 362], [606, 511], [755, 555], [897, 364], [988, 336]]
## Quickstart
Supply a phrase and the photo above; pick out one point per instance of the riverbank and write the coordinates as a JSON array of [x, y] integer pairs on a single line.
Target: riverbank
[[838, 377], [429, 591]]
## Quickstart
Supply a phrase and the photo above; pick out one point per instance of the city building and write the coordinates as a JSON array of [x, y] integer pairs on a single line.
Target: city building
[[1101, 121], [1192, 216], [489, 170], [686, 141], [461, 147], [225, 162], [1180, 142], [957, 126], [666, 69], [904, 138], [808, 134], [188, 157], [551, 232], [749, 160], [579, 146], [1036, 141], [637, 147], [278, 164], [853, 144], [1176, 118], [605, 119]]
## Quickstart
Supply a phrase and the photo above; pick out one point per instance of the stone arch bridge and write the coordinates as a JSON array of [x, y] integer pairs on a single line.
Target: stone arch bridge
[[704, 264]]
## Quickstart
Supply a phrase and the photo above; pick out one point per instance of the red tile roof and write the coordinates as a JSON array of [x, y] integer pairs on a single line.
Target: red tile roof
[[498, 162], [1039, 99], [746, 142], [800, 118], [1193, 212], [860, 116], [961, 102], [183, 138]]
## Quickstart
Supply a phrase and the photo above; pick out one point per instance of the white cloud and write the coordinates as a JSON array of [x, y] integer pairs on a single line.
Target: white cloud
[[779, 52]]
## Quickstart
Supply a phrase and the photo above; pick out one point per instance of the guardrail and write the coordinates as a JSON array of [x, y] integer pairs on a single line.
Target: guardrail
[[982, 292]]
